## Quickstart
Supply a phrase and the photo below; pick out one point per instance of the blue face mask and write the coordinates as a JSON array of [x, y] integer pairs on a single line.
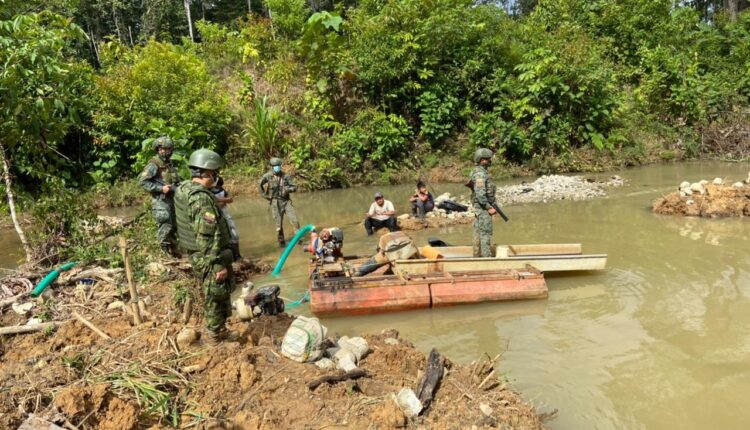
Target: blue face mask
[[277, 169]]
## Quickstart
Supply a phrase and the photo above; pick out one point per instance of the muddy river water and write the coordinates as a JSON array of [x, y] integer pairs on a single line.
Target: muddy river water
[[661, 339]]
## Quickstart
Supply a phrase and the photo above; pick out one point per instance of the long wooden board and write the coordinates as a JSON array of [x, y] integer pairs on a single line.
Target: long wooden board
[[545, 263], [515, 250]]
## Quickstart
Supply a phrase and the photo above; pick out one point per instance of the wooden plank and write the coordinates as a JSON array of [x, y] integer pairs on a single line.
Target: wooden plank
[[515, 250], [563, 263], [539, 249]]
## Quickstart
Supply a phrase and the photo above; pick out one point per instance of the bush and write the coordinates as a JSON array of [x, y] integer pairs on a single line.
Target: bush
[[381, 138], [149, 91]]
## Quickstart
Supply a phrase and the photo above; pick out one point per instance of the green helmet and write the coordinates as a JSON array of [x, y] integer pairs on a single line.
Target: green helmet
[[276, 161], [481, 153], [205, 159], [163, 142]]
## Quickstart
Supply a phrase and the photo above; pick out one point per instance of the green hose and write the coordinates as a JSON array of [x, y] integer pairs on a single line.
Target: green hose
[[304, 230], [50, 278]]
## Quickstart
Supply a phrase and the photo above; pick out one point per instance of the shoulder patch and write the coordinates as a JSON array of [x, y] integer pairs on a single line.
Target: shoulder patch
[[209, 217]]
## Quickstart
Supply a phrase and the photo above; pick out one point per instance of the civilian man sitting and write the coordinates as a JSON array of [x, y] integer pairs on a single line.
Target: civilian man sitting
[[381, 214]]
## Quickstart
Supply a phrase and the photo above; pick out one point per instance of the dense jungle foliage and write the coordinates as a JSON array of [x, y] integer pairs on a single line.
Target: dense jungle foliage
[[352, 91]]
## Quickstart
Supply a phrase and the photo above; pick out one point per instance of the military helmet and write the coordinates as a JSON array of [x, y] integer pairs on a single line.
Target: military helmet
[[276, 161], [163, 142], [481, 153], [205, 159]]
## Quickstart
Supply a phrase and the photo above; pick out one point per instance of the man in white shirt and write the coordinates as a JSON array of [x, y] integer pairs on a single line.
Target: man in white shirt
[[381, 214]]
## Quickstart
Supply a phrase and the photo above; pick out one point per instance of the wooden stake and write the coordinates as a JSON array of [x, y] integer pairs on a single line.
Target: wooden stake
[[137, 320], [90, 325], [21, 329], [187, 310]]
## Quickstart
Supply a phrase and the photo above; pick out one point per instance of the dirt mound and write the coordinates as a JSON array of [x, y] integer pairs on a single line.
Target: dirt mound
[[710, 200], [142, 378]]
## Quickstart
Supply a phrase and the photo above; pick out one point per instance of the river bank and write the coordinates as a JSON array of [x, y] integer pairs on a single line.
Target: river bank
[[95, 369]]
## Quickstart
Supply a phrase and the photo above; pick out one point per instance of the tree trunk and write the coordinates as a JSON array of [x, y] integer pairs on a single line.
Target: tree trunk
[[732, 7], [189, 20], [249, 7], [12, 204], [117, 25]]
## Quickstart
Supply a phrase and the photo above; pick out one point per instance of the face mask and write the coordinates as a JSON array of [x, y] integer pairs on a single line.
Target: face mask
[[277, 169]]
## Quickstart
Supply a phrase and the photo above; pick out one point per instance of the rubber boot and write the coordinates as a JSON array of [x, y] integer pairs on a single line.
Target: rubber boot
[[282, 241], [221, 335]]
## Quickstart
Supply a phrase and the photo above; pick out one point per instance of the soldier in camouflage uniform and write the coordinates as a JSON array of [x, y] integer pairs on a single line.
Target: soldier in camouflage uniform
[[483, 199], [275, 186], [204, 235], [160, 178]]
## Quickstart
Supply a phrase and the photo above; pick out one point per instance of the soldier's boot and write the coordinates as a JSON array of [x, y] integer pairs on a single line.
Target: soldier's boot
[[222, 335], [166, 248]]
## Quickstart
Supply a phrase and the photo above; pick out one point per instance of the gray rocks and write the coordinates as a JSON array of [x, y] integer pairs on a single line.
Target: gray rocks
[[556, 187]]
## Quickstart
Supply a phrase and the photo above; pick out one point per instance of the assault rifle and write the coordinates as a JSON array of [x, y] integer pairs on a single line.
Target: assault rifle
[[161, 182], [470, 185]]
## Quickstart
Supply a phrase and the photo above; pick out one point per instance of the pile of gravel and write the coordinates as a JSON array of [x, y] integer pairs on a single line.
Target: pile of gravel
[[556, 187]]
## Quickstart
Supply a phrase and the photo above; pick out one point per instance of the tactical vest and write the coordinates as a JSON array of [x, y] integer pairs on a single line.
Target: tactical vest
[[490, 188], [276, 186], [167, 171], [185, 233]]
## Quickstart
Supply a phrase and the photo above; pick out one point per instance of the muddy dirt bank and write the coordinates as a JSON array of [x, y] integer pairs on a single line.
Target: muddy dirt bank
[[147, 376], [715, 199]]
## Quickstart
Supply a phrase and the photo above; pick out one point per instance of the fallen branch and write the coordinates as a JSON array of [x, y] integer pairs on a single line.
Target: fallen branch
[[90, 325], [11, 300], [332, 379], [21, 329]]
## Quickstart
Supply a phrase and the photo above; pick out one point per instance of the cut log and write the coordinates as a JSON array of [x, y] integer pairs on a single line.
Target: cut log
[[21, 329], [431, 379], [339, 377]]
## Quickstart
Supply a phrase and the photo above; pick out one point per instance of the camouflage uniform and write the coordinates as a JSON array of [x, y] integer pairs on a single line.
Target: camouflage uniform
[[482, 198], [204, 234], [276, 189], [156, 174]]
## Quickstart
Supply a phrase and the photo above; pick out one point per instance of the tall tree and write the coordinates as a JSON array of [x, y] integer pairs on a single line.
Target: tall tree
[[42, 89]]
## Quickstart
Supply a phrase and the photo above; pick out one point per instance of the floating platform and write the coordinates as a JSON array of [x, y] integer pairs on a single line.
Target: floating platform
[[449, 276], [376, 293]]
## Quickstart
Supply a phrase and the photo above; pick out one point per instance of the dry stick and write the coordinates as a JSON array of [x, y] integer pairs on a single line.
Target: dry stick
[[460, 388], [21, 329], [90, 325], [486, 379], [137, 320]]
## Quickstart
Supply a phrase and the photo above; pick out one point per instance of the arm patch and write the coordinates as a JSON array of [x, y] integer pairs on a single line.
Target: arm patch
[[209, 217]]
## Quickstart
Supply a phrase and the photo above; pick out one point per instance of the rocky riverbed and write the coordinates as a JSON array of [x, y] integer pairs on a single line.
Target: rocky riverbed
[[542, 190]]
